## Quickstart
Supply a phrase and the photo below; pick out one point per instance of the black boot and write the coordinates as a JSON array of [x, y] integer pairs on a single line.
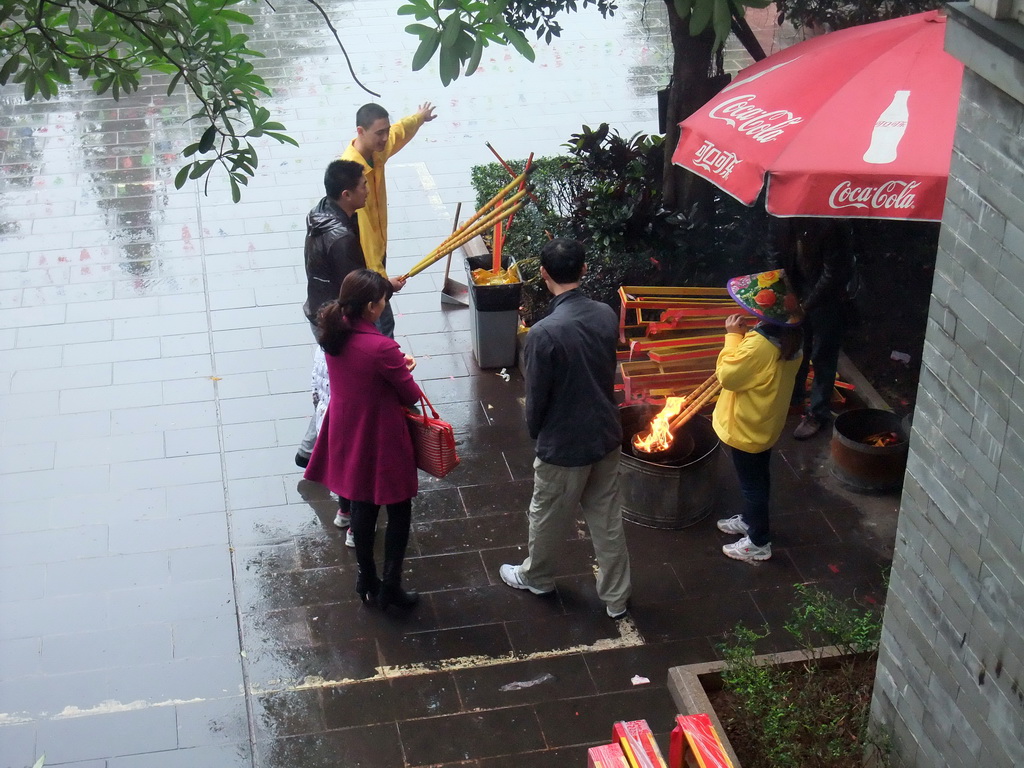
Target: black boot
[[391, 593], [364, 520], [395, 540], [367, 585]]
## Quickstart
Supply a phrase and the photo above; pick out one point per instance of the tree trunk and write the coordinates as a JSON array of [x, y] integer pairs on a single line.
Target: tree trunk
[[693, 84]]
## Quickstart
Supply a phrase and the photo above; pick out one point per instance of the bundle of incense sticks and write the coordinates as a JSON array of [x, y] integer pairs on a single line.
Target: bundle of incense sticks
[[696, 400], [491, 213]]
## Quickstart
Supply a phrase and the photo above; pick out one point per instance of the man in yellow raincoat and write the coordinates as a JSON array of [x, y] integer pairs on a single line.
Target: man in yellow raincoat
[[377, 139]]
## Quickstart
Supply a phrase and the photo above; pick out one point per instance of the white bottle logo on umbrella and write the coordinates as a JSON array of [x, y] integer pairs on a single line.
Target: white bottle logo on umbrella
[[888, 130]]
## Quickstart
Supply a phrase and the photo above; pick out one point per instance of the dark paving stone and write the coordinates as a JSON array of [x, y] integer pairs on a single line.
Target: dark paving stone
[[364, 703], [694, 617], [424, 695], [457, 571], [371, 746], [496, 498], [613, 670], [445, 536], [524, 682], [441, 504], [548, 758], [560, 632], [589, 719], [432, 646], [489, 604], [471, 735], [287, 713]]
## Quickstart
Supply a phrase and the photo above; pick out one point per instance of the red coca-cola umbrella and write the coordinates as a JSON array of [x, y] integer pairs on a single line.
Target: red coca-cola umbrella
[[857, 123]]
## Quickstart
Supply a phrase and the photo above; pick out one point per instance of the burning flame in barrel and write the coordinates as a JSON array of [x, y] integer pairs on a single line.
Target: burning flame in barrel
[[658, 436]]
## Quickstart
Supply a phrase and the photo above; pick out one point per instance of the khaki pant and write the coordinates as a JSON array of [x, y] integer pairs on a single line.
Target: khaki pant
[[557, 491]]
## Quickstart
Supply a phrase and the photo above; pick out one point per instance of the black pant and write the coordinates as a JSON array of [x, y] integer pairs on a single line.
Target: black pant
[[364, 524], [754, 472]]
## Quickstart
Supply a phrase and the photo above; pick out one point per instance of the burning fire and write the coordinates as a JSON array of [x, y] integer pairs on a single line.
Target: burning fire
[[659, 437]]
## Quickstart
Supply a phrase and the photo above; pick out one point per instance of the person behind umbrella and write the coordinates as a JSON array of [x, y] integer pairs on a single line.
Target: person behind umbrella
[[571, 412], [364, 452], [756, 368], [817, 255]]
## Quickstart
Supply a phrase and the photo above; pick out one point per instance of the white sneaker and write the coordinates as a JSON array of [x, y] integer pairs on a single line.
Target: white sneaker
[[745, 549], [341, 520], [512, 575], [733, 524], [350, 540]]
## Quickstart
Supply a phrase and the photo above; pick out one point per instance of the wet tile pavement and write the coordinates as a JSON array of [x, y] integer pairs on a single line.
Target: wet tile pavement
[[172, 593]]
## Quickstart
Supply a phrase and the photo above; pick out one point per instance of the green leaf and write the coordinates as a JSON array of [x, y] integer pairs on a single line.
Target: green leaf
[[452, 27], [174, 82], [181, 177], [683, 7], [520, 43], [700, 17], [448, 66], [721, 21], [425, 50], [422, 31], [236, 191], [9, 68], [199, 168], [283, 138], [474, 59], [235, 16], [93, 37], [209, 136]]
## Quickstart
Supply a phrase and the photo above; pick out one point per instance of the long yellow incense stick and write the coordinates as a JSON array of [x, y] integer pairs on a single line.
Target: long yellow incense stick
[[470, 224], [497, 197], [464, 237]]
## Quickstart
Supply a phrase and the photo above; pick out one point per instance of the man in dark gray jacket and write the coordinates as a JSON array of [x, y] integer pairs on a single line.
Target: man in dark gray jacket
[[332, 250], [571, 412]]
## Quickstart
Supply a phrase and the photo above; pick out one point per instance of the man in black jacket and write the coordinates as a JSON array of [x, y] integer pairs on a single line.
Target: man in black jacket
[[571, 412], [332, 250]]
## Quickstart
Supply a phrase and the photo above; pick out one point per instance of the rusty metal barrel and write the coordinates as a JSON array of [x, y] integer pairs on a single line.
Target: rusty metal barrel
[[673, 493], [863, 467]]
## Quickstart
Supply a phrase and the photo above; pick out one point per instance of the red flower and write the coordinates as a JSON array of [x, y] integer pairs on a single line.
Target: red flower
[[791, 303], [765, 298]]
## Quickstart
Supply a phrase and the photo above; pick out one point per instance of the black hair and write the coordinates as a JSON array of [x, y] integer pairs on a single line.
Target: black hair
[[370, 113], [789, 338], [563, 259], [334, 320], [341, 175]]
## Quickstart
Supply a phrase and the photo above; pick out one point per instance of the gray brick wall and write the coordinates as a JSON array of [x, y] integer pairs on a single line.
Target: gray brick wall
[[950, 683]]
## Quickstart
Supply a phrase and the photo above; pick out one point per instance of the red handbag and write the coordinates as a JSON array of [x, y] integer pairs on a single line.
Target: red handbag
[[433, 440]]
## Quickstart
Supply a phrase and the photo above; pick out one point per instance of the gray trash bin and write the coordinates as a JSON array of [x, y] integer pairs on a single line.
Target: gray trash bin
[[493, 319]]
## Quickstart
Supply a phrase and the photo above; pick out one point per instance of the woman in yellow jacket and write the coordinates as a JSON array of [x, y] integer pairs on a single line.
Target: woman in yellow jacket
[[757, 368]]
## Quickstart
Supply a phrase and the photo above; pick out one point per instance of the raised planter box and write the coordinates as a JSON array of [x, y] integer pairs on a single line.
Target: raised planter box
[[690, 684]]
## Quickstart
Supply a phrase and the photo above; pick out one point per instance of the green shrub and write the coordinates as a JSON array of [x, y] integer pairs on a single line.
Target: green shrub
[[606, 193], [807, 717]]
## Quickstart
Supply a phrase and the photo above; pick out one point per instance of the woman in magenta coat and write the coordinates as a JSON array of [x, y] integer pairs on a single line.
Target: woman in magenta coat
[[364, 452]]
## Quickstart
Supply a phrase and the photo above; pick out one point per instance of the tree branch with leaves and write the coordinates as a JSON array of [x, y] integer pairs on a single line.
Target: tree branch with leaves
[[112, 43]]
